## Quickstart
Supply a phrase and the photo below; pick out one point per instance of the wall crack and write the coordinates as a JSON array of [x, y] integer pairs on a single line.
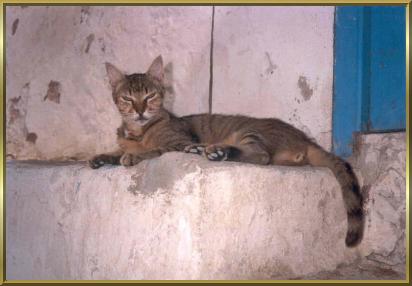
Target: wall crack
[[211, 62]]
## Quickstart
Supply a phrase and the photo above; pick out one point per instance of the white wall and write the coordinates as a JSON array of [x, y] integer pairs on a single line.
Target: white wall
[[260, 53], [50, 43], [276, 62]]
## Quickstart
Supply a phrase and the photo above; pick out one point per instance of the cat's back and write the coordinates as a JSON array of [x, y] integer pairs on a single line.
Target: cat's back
[[222, 125], [234, 121]]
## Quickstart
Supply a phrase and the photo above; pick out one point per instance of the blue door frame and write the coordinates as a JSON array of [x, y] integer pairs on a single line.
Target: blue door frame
[[369, 73]]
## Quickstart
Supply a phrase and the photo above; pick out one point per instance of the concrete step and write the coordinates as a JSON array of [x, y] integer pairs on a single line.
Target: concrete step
[[174, 217]]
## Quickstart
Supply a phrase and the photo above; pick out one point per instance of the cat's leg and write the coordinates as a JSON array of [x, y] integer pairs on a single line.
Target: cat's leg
[[290, 157], [129, 159], [253, 153], [109, 158]]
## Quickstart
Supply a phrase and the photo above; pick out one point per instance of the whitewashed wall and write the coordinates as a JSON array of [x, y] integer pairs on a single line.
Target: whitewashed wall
[[276, 62], [268, 62], [70, 45]]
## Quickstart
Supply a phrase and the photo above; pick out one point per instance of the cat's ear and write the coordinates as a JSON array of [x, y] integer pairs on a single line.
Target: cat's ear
[[114, 74], [156, 69]]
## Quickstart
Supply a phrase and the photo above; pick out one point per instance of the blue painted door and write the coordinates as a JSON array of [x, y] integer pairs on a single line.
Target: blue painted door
[[387, 68], [369, 73]]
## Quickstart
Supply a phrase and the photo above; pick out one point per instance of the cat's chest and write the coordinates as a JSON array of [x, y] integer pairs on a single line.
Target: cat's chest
[[132, 141]]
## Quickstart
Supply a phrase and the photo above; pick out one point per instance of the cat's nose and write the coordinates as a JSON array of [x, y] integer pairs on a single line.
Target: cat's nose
[[141, 117]]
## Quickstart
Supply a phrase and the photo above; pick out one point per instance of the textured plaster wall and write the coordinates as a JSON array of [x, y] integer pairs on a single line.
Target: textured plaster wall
[[276, 62], [380, 163], [268, 62], [59, 101], [382, 168]]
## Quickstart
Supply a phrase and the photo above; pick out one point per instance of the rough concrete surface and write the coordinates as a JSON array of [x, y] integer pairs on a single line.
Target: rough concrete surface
[[174, 217], [276, 62], [381, 161], [182, 217], [56, 84]]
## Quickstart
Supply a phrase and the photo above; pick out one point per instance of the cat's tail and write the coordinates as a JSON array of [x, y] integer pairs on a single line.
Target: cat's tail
[[352, 196]]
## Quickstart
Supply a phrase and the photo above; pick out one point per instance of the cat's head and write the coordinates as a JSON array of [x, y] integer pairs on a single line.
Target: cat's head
[[138, 96]]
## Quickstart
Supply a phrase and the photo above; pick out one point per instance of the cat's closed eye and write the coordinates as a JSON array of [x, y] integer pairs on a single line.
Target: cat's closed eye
[[150, 96], [124, 104], [125, 100], [127, 97]]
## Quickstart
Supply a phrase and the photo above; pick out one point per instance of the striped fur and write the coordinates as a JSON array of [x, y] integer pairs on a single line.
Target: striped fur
[[148, 130], [272, 141]]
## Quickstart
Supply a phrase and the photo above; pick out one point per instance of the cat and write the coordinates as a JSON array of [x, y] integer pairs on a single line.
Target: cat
[[148, 130], [271, 141]]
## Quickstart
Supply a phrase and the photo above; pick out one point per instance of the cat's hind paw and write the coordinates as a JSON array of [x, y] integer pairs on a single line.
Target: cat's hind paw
[[217, 153], [195, 149]]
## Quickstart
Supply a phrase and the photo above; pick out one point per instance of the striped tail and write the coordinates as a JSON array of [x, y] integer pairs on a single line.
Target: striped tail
[[352, 196]]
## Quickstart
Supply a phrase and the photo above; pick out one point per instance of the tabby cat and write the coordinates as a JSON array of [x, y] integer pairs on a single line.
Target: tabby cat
[[148, 130]]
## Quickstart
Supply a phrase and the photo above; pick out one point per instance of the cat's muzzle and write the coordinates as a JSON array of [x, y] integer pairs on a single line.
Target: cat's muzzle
[[141, 119]]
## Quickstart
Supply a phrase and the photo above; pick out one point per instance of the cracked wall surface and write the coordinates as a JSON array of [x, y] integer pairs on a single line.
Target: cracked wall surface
[[381, 161], [268, 62]]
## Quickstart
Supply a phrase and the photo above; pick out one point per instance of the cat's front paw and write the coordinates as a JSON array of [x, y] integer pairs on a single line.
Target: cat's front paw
[[128, 159], [217, 152], [96, 162], [195, 149]]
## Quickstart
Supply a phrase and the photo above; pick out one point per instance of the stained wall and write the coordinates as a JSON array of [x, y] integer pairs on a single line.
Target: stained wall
[[267, 62], [59, 103]]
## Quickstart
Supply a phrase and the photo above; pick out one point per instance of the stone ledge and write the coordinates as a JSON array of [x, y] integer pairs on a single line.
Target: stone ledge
[[174, 217]]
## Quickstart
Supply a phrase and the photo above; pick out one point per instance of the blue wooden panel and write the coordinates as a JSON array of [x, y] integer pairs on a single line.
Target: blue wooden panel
[[369, 72], [387, 78], [348, 75]]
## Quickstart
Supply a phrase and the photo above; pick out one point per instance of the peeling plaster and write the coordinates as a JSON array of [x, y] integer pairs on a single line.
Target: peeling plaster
[[305, 89]]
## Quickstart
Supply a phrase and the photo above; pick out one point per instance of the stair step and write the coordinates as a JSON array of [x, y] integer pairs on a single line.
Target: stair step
[[174, 217]]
